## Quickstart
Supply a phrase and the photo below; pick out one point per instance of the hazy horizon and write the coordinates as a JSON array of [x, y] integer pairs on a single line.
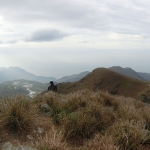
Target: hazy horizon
[[66, 74], [59, 38]]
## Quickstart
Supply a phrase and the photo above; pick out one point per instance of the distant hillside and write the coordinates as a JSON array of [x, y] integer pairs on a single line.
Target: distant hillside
[[127, 72], [107, 80], [146, 76], [30, 88], [73, 78], [15, 73]]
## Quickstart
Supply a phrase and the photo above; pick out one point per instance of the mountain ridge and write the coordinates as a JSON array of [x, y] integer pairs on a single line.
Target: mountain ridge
[[146, 76], [127, 72], [108, 80], [15, 73], [73, 78]]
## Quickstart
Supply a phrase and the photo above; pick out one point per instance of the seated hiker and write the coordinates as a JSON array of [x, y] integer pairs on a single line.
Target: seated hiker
[[52, 87]]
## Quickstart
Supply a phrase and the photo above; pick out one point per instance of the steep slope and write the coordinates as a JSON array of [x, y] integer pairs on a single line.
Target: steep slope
[[73, 78], [127, 72], [14, 73], [107, 80]]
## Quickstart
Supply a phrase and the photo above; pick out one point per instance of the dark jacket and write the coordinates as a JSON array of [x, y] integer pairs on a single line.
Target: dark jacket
[[52, 87]]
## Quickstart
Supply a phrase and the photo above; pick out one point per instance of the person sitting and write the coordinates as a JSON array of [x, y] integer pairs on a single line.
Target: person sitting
[[52, 87]]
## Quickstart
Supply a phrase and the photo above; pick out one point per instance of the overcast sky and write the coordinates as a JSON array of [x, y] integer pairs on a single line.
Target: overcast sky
[[63, 37]]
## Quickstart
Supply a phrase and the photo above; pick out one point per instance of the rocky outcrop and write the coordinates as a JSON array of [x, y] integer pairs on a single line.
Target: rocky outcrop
[[8, 146], [45, 108]]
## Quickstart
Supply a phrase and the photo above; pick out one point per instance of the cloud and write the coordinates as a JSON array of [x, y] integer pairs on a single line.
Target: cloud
[[125, 17], [98, 25], [146, 36], [9, 41], [12, 41], [44, 35]]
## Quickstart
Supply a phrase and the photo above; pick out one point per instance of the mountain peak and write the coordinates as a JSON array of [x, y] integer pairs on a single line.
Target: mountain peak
[[107, 80], [14, 73], [127, 72]]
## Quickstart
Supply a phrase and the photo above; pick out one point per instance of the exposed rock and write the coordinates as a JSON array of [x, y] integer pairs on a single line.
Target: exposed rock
[[45, 108], [8, 146], [30, 137], [25, 148], [40, 130]]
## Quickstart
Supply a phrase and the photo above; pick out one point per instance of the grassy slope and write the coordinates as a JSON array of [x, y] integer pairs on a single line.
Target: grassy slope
[[83, 120], [107, 80]]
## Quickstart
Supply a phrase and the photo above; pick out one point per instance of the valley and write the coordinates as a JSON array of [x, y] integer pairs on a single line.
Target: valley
[[19, 87]]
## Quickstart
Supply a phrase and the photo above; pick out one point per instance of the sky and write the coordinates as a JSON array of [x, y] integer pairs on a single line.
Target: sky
[[56, 38]]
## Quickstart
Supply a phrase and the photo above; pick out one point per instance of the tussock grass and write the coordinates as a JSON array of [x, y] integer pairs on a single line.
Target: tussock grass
[[79, 125], [146, 117], [99, 142], [51, 140], [17, 114], [128, 134], [83, 114], [80, 121]]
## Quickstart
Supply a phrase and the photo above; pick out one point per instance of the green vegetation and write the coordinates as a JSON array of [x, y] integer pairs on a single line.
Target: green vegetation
[[9, 90], [83, 120]]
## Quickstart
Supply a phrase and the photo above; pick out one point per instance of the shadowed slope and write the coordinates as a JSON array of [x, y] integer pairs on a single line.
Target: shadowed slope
[[73, 78], [127, 72], [107, 80]]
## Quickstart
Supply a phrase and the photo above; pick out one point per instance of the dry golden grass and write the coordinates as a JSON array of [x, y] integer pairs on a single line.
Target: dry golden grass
[[50, 140], [107, 80], [128, 134], [99, 142], [83, 120], [16, 114]]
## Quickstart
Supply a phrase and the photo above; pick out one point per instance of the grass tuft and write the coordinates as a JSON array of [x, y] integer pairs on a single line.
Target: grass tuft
[[128, 134], [51, 140], [18, 116]]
